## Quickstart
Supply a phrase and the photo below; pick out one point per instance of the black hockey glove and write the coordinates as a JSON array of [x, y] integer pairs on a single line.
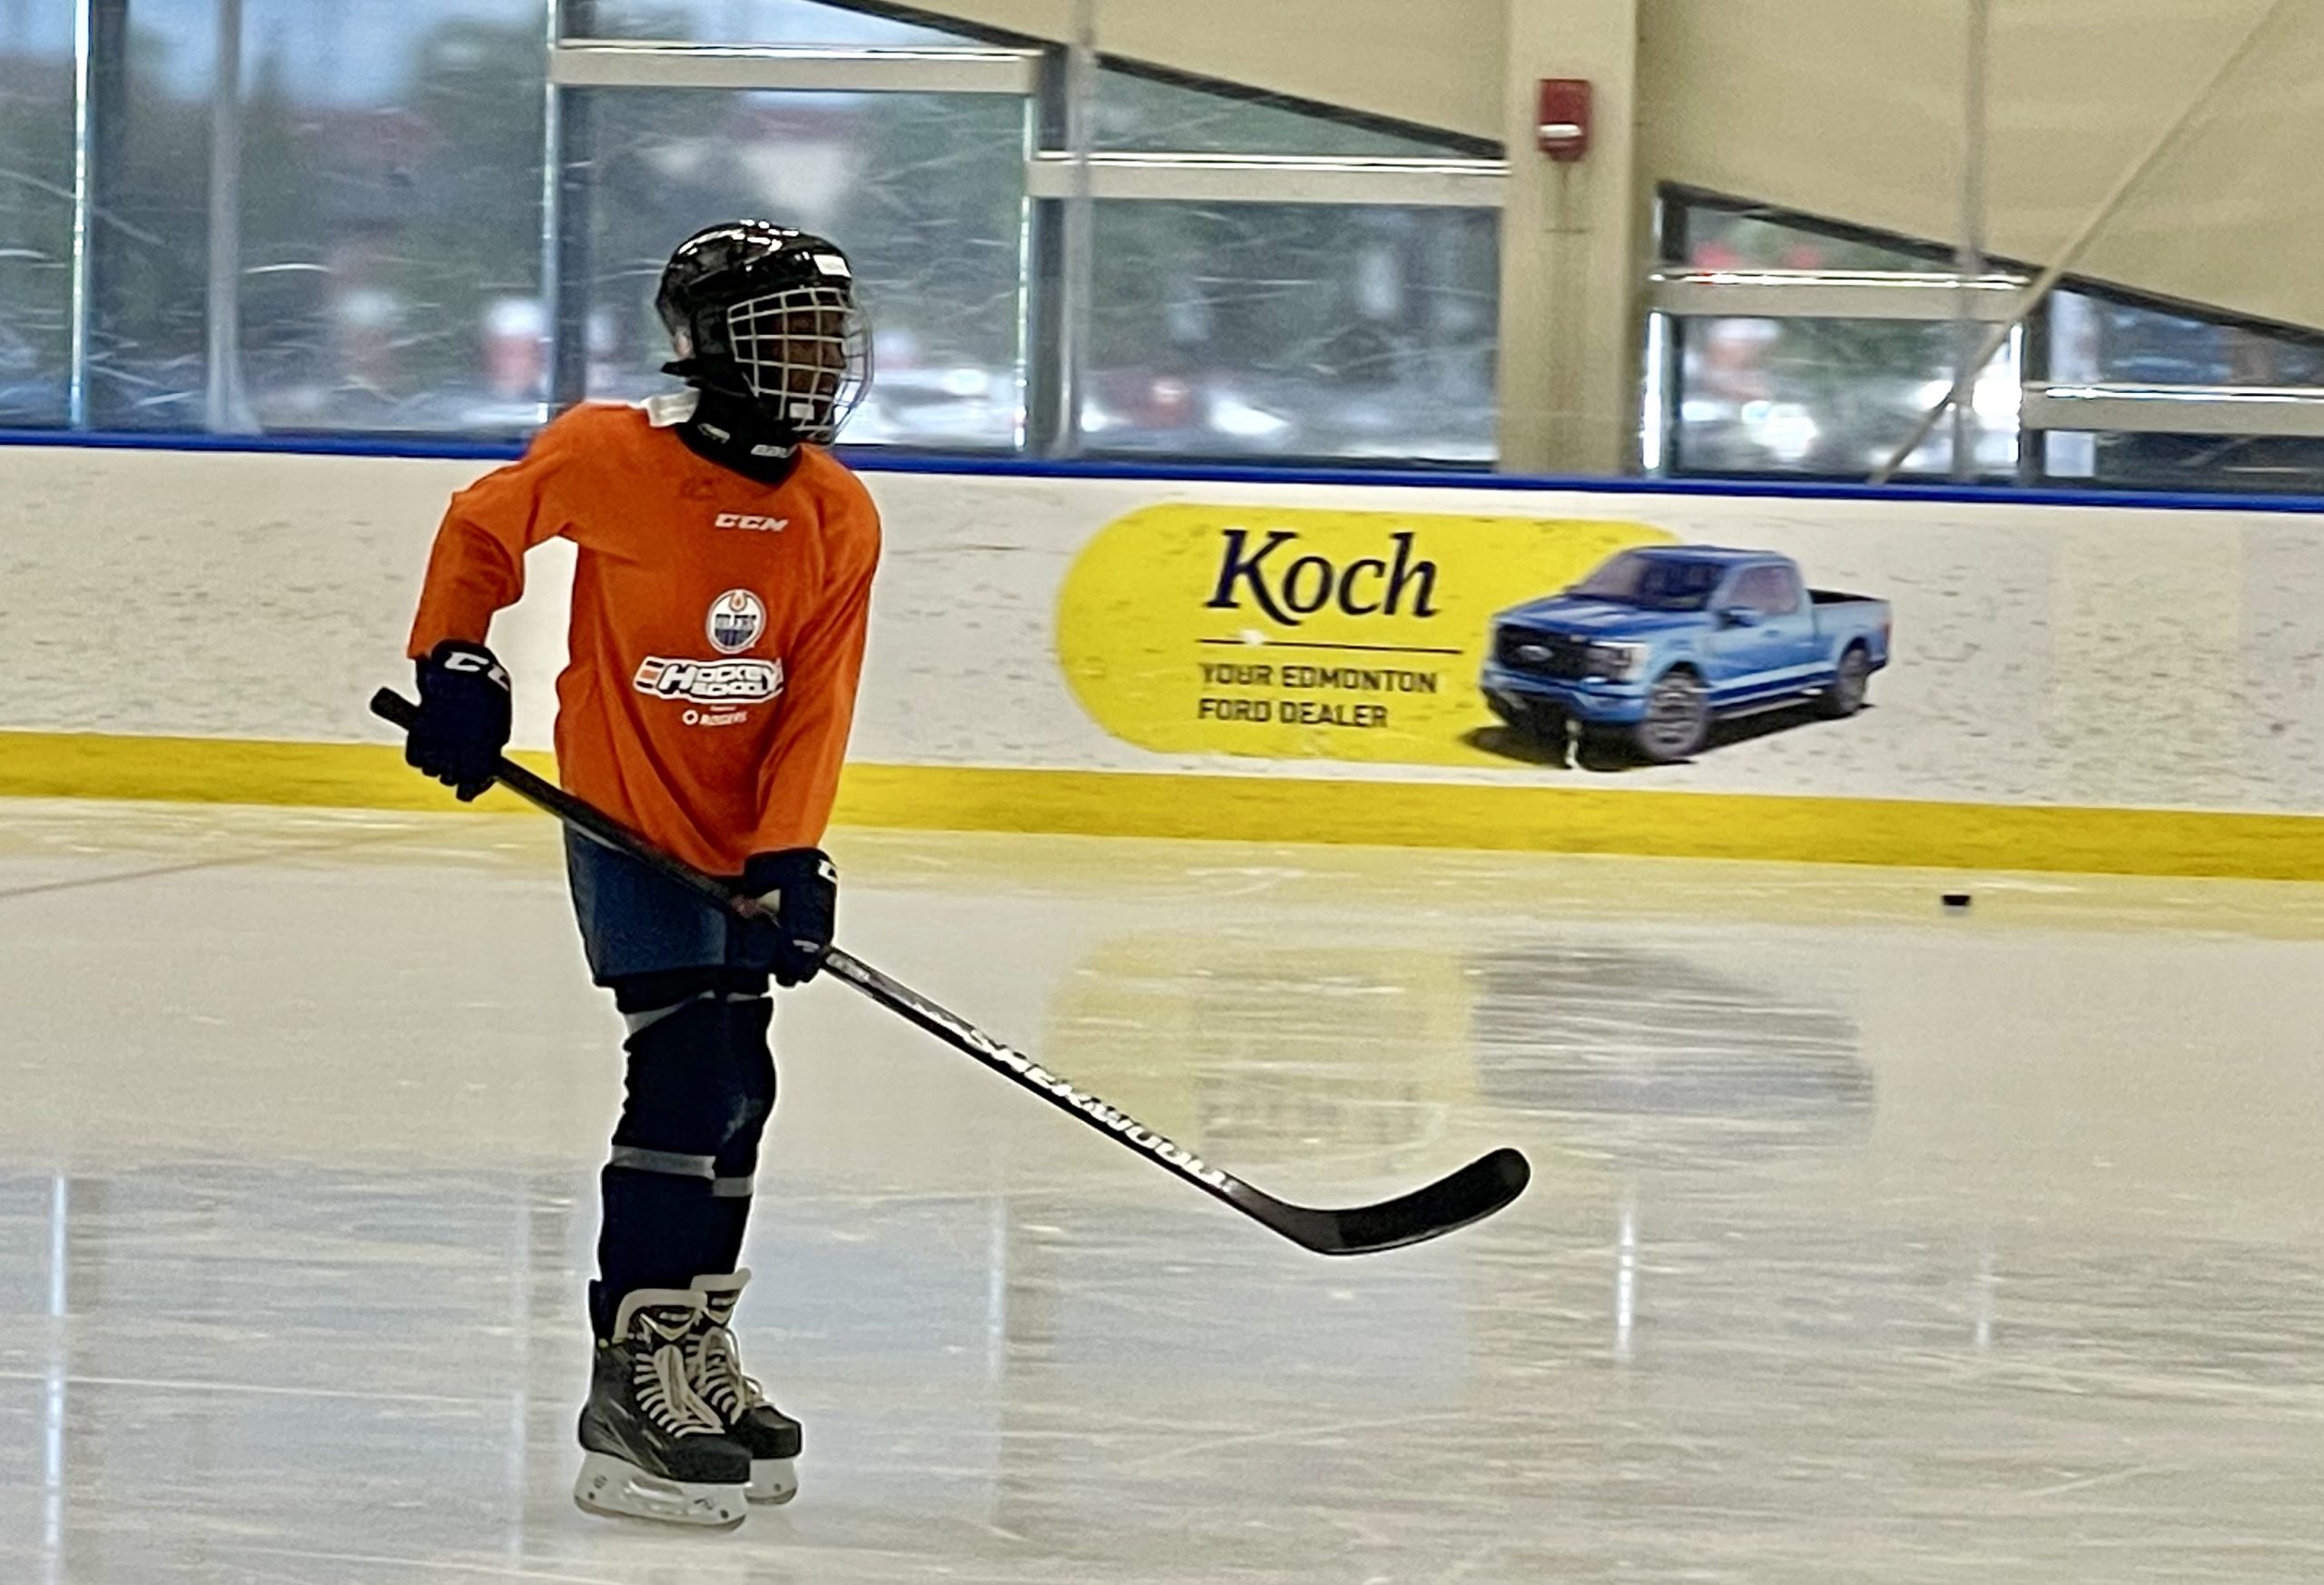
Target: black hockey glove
[[463, 721], [800, 887]]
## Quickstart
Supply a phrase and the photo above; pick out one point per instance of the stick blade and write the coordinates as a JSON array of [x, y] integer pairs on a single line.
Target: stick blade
[[1475, 1192]]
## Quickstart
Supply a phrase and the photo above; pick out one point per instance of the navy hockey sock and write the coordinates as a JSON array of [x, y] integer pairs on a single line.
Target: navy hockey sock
[[665, 1221], [749, 1019], [677, 1188]]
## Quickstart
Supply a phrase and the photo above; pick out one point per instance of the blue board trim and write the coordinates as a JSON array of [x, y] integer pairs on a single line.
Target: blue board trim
[[409, 446], [880, 460]]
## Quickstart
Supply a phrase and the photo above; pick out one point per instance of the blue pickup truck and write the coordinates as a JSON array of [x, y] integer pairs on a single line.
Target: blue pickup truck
[[1661, 642]]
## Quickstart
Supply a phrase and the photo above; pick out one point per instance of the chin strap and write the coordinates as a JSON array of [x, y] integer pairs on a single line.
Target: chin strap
[[735, 432], [695, 373]]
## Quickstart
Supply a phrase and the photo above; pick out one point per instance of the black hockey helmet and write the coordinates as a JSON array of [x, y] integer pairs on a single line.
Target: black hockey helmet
[[767, 313]]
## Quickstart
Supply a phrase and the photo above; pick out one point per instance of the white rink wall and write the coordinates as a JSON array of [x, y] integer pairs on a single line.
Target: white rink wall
[[2070, 655]]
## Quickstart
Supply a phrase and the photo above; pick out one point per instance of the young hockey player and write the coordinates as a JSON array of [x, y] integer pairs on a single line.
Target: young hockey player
[[719, 603]]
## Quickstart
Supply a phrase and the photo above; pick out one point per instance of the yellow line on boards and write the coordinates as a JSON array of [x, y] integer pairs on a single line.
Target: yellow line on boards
[[216, 770], [1533, 818]]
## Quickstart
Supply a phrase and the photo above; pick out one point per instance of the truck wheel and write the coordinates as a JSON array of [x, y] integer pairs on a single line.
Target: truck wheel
[[1678, 720], [1845, 697]]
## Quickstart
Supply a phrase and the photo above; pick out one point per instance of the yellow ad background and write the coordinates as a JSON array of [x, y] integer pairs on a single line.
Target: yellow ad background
[[1133, 616]]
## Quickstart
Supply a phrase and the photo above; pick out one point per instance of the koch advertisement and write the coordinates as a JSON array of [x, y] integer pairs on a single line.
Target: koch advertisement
[[1442, 640]]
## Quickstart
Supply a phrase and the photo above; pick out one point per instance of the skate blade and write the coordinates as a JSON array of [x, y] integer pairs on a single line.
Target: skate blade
[[615, 1489], [773, 1482]]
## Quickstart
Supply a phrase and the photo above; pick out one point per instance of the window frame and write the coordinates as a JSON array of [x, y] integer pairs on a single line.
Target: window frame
[[1677, 293]]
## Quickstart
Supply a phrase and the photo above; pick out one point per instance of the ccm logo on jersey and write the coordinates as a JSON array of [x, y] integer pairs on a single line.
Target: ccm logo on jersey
[[735, 682], [751, 522]]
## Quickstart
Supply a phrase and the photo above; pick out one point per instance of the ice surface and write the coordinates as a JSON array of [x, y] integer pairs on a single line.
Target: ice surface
[[1867, 1242]]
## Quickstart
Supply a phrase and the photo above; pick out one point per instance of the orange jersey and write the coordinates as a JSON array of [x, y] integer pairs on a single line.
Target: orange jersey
[[717, 631]]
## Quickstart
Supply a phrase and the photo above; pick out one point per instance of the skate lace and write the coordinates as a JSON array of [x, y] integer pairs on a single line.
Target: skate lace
[[718, 1372], [666, 1394]]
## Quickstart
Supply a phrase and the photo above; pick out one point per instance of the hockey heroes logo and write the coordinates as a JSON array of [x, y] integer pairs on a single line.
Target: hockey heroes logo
[[730, 682]]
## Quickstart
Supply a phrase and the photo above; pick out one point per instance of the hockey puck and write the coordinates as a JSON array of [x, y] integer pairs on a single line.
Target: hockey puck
[[1957, 900]]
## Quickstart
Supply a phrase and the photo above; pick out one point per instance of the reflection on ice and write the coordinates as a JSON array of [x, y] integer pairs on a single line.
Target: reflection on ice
[[1654, 1049]]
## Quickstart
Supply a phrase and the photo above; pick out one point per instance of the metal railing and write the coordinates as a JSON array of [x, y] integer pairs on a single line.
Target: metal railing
[[1271, 179], [1833, 294], [655, 63], [2175, 410]]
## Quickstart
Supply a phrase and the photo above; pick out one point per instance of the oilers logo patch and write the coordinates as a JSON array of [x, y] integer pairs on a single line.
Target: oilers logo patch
[[737, 619]]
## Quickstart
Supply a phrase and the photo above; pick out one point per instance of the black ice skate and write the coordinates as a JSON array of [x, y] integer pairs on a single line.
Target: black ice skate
[[652, 1449], [771, 1436]]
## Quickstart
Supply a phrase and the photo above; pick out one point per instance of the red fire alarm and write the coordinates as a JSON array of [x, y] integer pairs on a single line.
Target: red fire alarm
[[1563, 123]]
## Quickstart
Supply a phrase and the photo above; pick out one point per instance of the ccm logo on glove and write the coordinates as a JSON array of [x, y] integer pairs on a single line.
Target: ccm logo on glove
[[463, 714]]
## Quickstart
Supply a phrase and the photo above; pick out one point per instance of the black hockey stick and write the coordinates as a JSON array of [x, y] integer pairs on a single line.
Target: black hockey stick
[[1470, 1195]]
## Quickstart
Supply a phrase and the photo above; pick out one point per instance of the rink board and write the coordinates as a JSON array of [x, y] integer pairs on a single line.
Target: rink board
[[2073, 687], [1920, 833]]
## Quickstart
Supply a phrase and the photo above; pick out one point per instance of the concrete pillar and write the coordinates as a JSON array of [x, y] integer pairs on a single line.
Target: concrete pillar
[[1573, 249]]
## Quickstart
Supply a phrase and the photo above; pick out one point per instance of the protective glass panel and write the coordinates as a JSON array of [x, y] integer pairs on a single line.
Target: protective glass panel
[[761, 22], [925, 192], [1294, 330], [1831, 397], [2098, 339], [35, 210], [1704, 237], [391, 214], [1137, 114], [1819, 397], [389, 201]]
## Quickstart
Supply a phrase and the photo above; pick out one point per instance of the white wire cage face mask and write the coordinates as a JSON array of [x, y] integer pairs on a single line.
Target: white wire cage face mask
[[806, 352]]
